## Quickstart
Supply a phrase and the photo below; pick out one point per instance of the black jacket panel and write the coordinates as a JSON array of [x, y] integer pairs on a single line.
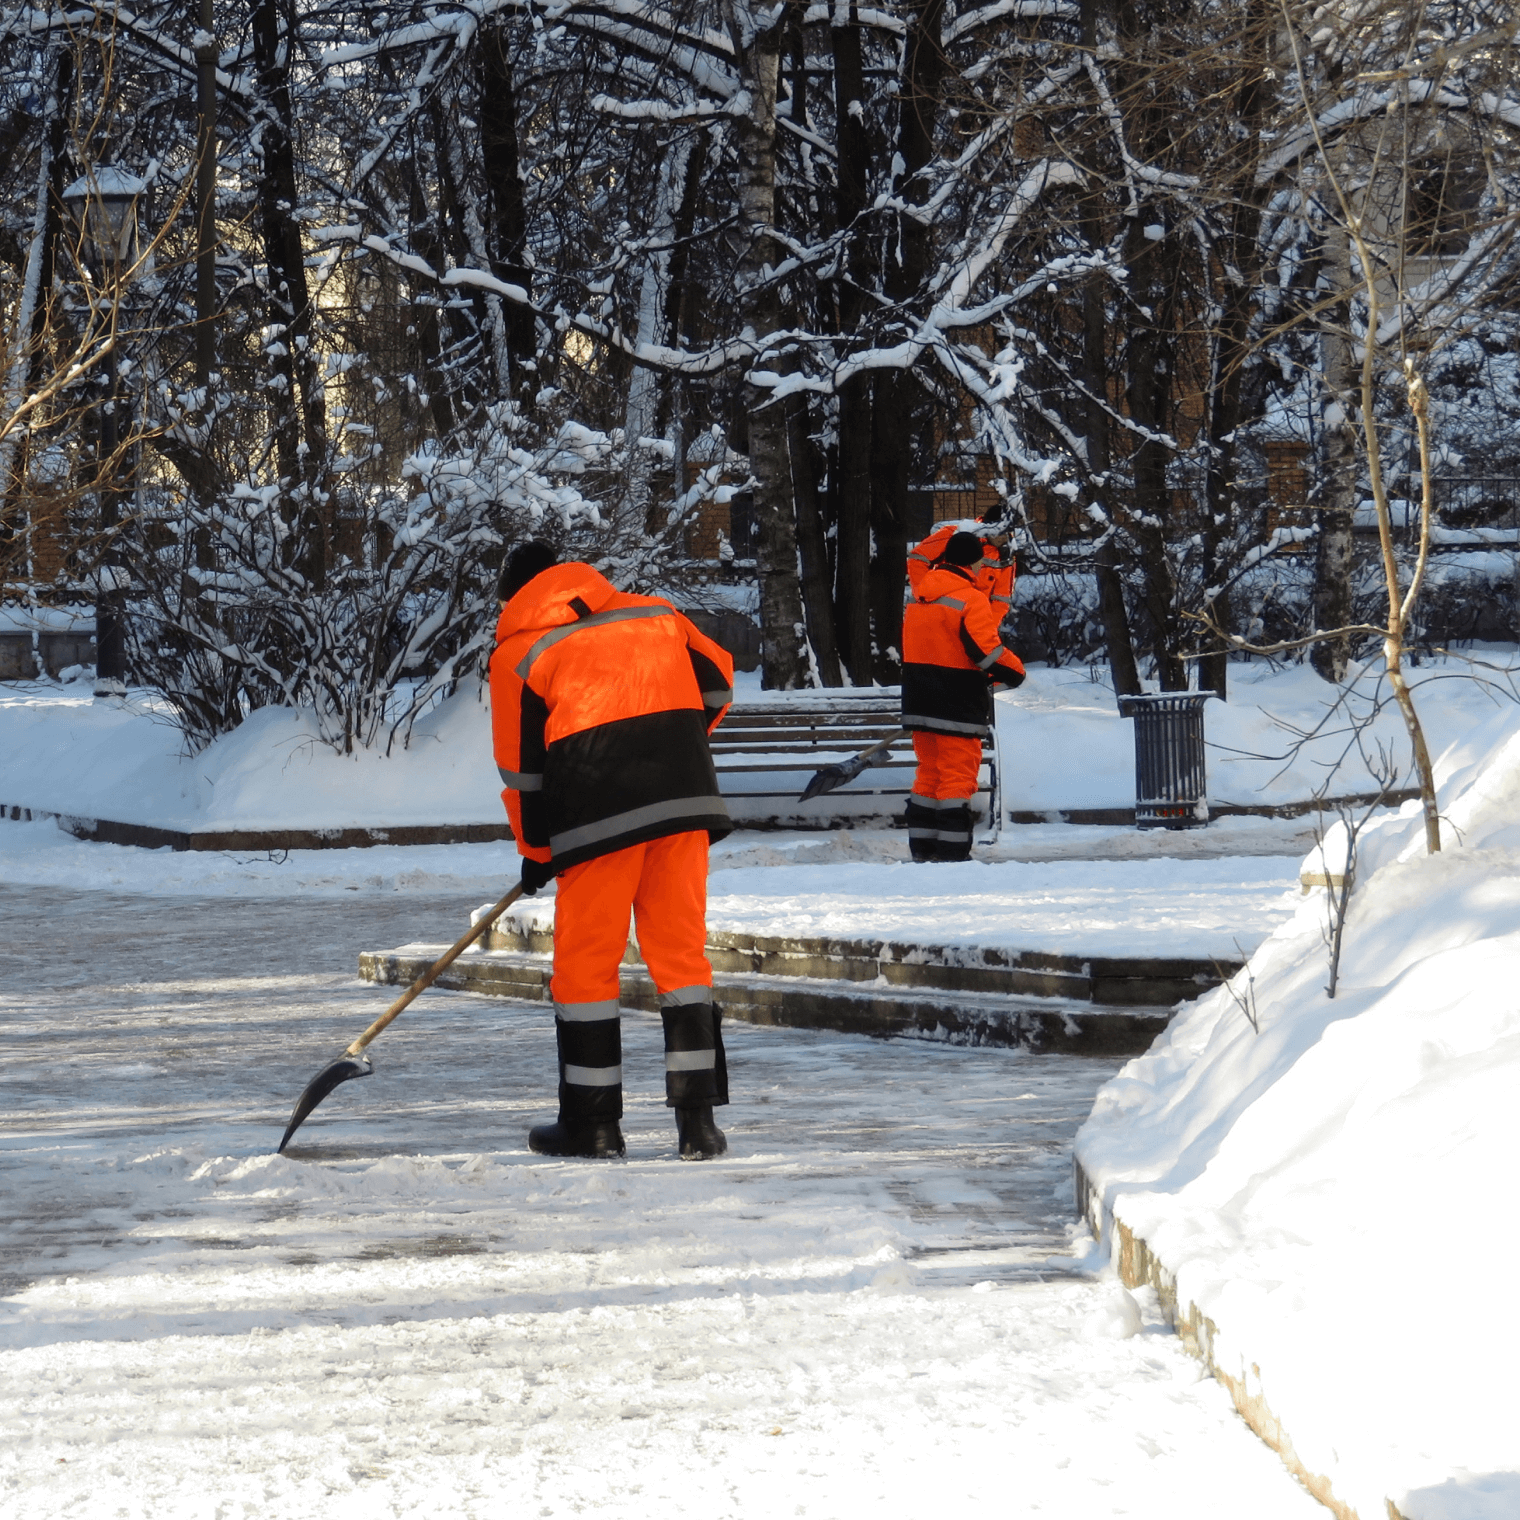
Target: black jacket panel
[[939, 700], [666, 784]]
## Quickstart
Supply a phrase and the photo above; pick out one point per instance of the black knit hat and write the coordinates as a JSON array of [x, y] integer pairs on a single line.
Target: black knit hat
[[521, 565], [963, 549]]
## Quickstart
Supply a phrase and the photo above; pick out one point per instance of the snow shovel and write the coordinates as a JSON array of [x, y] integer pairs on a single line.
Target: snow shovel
[[832, 776], [353, 1062]]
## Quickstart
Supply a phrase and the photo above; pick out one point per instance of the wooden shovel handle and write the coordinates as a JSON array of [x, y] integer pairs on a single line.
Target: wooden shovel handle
[[442, 964]]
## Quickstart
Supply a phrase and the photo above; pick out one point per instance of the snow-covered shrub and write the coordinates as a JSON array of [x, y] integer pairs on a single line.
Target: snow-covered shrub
[[234, 607]]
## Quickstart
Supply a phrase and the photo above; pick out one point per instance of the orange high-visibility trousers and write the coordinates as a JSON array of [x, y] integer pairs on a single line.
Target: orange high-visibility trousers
[[947, 765], [939, 810], [663, 884]]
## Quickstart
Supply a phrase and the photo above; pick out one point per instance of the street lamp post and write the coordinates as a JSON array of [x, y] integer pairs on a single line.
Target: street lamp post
[[104, 204]]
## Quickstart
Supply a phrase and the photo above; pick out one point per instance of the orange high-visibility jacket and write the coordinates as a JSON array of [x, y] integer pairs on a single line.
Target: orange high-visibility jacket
[[601, 704], [995, 579], [952, 655]]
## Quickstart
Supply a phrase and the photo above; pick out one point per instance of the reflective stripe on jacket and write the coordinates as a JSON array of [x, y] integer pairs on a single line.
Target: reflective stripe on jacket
[[996, 580], [601, 704], [952, 655]]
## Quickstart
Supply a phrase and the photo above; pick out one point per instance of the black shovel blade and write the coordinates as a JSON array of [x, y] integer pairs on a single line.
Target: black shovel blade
[[344, 1069], [832, 776]]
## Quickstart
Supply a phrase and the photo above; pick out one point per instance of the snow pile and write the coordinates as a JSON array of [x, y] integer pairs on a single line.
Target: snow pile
[[62, 752], [1064, 745], [1281, 737], [1331, 1190]]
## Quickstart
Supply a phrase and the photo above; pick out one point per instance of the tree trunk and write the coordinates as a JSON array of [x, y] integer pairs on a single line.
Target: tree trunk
[[812, 547], [783, 632], [897, 392], [640, 417], [1233, 351], [205, 208], [423, 306], [1112, 613], [300, 412], [852, 538], [507, 206], [853, 493], [30, 330], [1150, 317], [468, 323], [1339, 472]]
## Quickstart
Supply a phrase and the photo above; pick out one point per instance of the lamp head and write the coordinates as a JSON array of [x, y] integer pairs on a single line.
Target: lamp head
[[104, 205]]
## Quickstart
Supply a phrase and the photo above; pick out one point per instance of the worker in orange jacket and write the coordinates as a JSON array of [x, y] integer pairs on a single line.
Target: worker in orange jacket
[[996, 573], [953, 655], [601, 704]]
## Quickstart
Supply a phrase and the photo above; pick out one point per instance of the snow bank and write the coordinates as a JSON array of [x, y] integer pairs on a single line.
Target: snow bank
[[1330, 1191], [1064, 746], [62, 752]]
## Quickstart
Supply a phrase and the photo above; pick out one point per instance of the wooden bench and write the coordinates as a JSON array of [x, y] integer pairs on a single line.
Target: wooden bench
[[766, 753]]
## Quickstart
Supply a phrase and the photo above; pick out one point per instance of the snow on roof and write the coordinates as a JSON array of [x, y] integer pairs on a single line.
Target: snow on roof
[[17, 617]]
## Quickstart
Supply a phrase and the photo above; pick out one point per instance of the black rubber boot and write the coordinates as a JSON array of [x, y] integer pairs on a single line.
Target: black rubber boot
[[588, 1137], [698, 1137]]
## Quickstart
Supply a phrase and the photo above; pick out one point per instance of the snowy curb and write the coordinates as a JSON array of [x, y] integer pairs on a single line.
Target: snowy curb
[[1139, 1266], [878, 1010], [1133, 981], [149, 836]]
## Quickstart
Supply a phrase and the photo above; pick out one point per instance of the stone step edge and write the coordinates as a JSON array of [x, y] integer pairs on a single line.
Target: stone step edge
[[151, 837], [1159, 982], [1139, 1266], [1045, 1025]]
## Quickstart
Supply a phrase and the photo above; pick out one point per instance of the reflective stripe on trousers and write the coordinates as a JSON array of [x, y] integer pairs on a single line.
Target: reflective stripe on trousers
[[696, 1070]]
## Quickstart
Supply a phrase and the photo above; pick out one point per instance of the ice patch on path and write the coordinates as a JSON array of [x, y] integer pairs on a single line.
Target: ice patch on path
[[416, 1316]]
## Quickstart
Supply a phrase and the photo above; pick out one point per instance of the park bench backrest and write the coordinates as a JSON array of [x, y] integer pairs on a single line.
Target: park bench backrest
[[766, 752]]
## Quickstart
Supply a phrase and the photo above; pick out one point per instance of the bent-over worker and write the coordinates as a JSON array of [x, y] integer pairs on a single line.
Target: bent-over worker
[[953, 655], [601, 704]]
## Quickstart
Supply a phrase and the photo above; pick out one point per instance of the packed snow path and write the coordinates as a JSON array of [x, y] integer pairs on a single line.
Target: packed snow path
[[874, 1306]]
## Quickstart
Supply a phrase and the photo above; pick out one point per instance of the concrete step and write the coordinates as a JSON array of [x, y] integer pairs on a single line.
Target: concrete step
[[1125, 982], [1053, 1025]]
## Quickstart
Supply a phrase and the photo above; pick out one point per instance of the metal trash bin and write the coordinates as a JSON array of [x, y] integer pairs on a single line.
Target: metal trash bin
[[1171, 781]]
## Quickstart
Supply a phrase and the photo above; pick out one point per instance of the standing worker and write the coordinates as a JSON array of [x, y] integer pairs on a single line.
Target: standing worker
[[953, 655], [601, 705]]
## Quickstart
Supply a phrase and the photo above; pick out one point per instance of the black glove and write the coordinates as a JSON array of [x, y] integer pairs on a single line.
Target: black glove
[[535, 874]]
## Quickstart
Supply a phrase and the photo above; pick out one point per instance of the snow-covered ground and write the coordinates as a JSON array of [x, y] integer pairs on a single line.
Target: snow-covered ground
[[1064, 745], [1220, 907], [876, 1305], [1332, 1187], [1153, 906]]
